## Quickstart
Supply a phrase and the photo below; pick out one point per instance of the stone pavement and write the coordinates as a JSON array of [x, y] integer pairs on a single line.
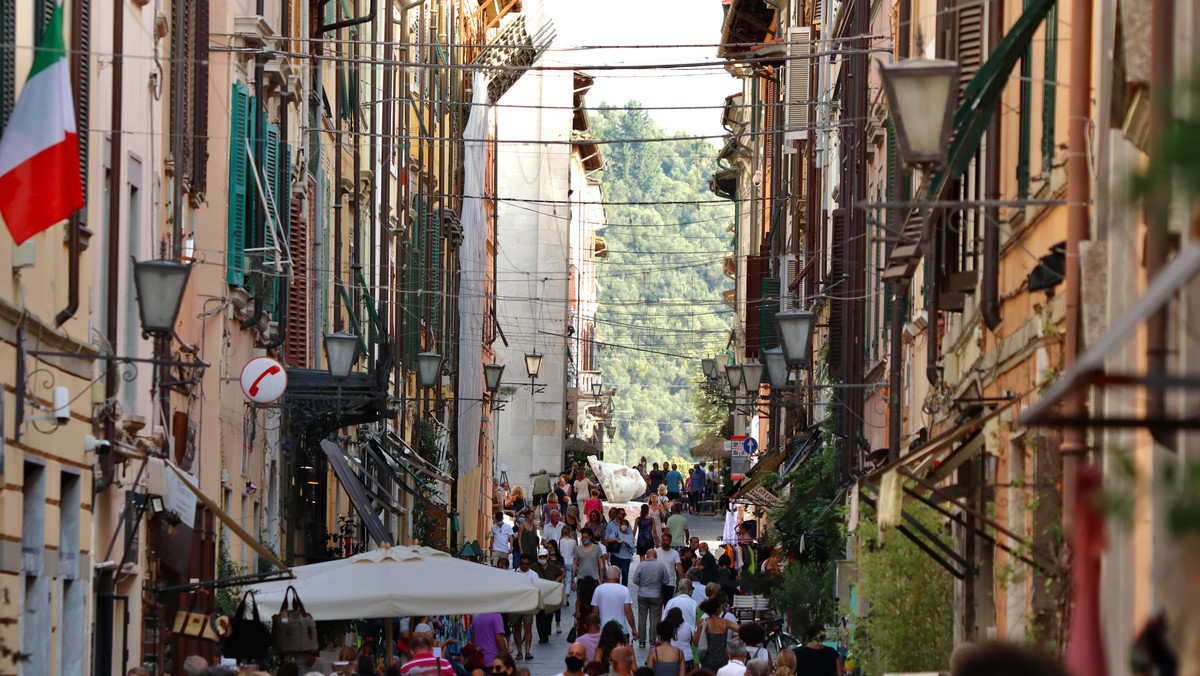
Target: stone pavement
[[548, 657]]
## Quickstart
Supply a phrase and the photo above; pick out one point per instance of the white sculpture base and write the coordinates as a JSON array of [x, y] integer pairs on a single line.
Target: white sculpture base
[[620, 483]]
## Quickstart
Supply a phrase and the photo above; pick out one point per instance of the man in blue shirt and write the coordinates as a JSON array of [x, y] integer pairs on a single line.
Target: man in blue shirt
[[673, 479]]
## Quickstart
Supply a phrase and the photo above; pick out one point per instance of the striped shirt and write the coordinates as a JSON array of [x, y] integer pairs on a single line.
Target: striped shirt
[[425, 664]]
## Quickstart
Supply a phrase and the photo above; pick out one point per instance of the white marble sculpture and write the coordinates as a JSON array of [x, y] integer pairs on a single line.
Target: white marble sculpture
[[620, 483]]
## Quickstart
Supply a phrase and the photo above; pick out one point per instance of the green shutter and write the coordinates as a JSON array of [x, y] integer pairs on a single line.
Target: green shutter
[[770, 305], [265, 261], [238, 133], [1050, 90]]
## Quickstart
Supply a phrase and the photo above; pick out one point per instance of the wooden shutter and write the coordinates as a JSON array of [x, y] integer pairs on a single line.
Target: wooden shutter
[[239, 122], [798, 91], [297, 346], [836, 293], [789, 270], [771, 287], [1050, 90], [969, 33], [81, 83], [197, 129], [268, 228]]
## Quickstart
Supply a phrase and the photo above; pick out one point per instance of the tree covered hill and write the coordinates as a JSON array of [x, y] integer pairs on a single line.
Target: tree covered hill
[[660, 287]]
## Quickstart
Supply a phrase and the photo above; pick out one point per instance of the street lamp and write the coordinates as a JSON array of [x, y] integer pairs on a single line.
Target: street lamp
[[710, 368], [733, 374], [752, 378], [341, 351], [429, 367], [921, 96], [597, 386], [795, 329], [160, 285], [777, 368], [533, 364], [491, 376], [719, 366]]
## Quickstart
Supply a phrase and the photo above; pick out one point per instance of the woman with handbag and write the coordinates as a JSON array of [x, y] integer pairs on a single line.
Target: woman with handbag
[[711, 636], [619, 542]]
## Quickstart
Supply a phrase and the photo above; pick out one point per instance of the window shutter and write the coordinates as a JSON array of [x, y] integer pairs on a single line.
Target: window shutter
[[789, 269], [238, 134], [836, 295], [81, 82], [798, 91], [1050, 90], [969, 30], [198, 128], [298, 333], [269, 226], [770, 305], [8, 59]]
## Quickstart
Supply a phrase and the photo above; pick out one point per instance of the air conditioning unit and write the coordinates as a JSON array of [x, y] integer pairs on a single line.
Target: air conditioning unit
[[798, 91]]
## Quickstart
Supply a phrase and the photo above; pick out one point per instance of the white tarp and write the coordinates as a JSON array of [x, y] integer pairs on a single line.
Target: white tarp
[[406, 581], [472, 279]]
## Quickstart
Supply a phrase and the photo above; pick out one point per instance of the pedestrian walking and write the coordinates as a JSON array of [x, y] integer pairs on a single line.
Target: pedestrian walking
[[682, 636], [583, 487], [566, 547], [785, 663], [590, 557], [622, 661], [590, 636], [685, 604], [757, 667], [665, 659], [619, 542], [656, 478], [818, 659], [650, 578], [541, 488], [423, 662], [575, 661], [551, 570], [527, 537], [595, 519], [695, 488], [713, 627], [487, 632], [612, 638], [669, 557], [643, 530], [658, 513], [677, 525], [555, 558], [736, 664], [503, 665], [754, 635], [674, 482], [552, 527], [501, 539], [523, 622], [613, 603]]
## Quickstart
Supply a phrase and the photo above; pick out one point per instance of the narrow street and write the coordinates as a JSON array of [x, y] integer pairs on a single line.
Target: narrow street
[[548, 658]]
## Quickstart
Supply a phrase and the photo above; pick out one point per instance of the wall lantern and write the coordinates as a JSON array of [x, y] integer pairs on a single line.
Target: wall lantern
[[533, 364], [752, 378], [597, 386], [160, 285], [429, 367], [710, 368], [795, 333], [922, 94], [341, 351], [491, 376], [777, 368], [733, 374]]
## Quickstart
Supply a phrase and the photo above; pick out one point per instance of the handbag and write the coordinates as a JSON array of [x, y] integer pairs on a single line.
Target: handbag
[[702, 646], [249, 639], [197, 624], [293, 631]]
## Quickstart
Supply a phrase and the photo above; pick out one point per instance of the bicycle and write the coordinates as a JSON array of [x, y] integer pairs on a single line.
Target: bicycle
[[777, 638]]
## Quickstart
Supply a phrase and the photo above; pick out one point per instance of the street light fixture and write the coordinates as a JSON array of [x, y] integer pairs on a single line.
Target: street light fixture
[[533, 364], [733, 374], [160, 285], [491, 376], [752, 378], [777, 368], [341, 351], [922, 94], [719, 366], [710, 368], [795, 329], [429, 367], [597, 386]]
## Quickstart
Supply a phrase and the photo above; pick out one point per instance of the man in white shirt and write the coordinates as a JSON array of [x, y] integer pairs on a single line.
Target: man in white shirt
[[502, 535], [613, 603], [552, 529], [737, 659], [684, 602], [669, 558]]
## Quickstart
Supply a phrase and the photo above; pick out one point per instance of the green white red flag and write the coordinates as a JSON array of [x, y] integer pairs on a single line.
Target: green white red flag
[[40, 182]]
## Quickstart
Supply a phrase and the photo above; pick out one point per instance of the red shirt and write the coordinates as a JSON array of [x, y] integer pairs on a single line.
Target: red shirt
[[425, 664]]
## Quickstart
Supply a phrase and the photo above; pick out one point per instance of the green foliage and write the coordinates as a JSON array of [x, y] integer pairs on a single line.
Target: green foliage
[[803, 590], [809, 507], [426, 520], [227, 598], [1173, 160], [660, 286], [909, 624]]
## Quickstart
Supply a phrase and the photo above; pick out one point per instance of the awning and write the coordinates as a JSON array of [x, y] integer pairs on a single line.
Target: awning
[[229, 521], [937, 450], [1089, 367], [355, 490], [747, 23], [794, 461], [710, 449], [756, 473]]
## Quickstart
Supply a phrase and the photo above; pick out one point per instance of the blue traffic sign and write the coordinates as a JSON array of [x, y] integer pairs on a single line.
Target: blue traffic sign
[[750, 445]]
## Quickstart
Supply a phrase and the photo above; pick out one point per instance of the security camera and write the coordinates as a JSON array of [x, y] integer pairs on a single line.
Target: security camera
[[99, 446], [251, 489], [62, 405]]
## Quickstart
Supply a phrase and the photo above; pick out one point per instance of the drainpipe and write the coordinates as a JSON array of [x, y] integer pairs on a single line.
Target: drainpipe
[[1158, 217], [990, 302], [1074, 445]]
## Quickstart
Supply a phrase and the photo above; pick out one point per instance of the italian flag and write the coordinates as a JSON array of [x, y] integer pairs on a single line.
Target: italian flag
[[40, 183]]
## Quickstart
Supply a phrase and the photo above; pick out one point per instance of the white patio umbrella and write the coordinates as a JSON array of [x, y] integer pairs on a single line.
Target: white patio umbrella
[[406, 581]]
